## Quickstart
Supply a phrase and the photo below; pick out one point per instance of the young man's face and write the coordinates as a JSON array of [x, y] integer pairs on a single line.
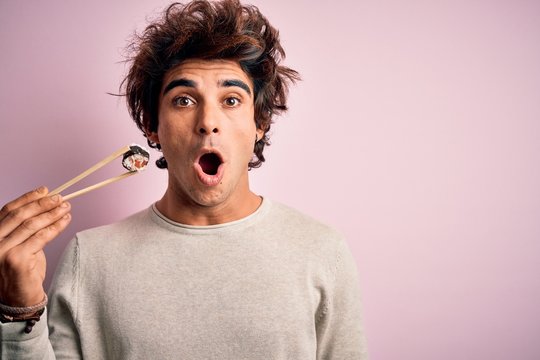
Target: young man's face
[[207, 131]]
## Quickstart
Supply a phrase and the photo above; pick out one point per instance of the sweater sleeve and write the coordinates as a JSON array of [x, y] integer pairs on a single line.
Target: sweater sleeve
[[63, 305], [16, 344], [340, 334]]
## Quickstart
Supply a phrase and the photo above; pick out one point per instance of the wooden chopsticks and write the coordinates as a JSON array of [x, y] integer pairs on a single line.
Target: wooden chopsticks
[[90, 170]]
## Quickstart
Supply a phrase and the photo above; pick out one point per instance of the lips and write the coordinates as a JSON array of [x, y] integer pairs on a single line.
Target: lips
[[209, 167]]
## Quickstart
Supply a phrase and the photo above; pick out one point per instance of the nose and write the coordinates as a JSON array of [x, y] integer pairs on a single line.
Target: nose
[[208, 120], [204, 130]]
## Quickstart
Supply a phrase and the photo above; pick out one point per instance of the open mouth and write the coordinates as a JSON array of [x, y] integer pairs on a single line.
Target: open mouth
[[210, 163]]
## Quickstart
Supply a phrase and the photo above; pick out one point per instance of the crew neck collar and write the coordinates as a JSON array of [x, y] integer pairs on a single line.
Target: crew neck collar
[[163, 221]]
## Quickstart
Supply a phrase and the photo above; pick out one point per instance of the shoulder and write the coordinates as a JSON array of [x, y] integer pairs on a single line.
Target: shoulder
[[297, 226], [313, 244], [129, 227], [297, 220]]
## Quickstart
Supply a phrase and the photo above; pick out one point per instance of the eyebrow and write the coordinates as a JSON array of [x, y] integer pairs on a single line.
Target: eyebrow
[[238, 83], [192, 84], [179, 82]]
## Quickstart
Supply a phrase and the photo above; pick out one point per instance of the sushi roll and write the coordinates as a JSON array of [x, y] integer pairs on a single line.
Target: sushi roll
[[136, 158]]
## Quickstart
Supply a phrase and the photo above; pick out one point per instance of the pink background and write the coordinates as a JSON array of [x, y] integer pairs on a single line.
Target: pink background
[[416, 132]]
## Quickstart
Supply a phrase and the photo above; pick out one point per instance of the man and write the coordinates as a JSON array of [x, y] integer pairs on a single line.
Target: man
[[211, 270]]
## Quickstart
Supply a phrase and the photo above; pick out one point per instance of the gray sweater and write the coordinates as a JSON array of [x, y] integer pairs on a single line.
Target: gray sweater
[[274, 285]]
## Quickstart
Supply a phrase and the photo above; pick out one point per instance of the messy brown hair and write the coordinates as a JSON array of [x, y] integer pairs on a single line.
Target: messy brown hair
[[208, 30]]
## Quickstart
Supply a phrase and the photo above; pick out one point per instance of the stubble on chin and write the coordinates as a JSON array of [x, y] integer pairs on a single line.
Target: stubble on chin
[[197, 197]]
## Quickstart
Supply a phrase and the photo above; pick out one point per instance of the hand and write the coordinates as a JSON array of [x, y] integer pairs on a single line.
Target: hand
[[27, 224]]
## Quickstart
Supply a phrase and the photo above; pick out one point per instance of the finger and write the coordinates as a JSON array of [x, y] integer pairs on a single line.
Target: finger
[[38, 241], [33, 225], [18, 216], [23, 200]]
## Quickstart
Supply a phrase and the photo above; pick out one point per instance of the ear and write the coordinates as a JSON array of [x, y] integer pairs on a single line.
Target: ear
[[259, 134], [152, 136]]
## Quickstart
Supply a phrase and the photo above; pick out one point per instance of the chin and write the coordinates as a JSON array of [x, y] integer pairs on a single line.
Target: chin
[[208, 198]]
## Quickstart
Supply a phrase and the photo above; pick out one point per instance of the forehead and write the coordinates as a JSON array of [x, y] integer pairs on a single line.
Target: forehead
[[207, 71]]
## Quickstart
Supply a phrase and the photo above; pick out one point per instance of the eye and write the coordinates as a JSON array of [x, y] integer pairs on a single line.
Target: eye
[[183, 101], [232, 101]]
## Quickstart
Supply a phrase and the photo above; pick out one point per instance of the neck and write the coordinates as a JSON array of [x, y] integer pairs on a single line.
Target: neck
[[181, 210]]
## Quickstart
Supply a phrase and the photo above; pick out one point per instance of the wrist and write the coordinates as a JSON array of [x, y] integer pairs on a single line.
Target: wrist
[[30, 314]]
